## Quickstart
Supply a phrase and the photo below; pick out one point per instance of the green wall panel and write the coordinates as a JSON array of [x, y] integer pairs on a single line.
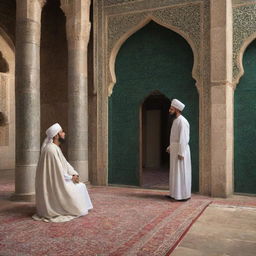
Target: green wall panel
[[154, 58], [245, 125]]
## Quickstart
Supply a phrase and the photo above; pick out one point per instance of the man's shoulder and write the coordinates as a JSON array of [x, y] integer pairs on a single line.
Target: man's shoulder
[[184, 120], [51, 148]]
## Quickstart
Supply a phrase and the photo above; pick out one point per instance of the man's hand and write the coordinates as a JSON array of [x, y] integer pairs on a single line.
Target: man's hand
[[180, 157], [75, 178], [168, 150]]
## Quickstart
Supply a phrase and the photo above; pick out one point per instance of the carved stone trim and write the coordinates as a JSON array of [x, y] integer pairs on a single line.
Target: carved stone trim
[[246, 25], [78, 26], [223, 83], [184, 20], [66, 7], [242, 2], [239, 57], [139, 4], [42, 2]]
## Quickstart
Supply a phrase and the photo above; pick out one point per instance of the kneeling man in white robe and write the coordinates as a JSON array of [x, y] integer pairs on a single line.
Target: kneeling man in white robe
[[60, 196], [180, 160]]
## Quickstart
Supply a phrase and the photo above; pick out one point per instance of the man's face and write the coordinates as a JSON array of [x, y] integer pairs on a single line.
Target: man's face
[[172, 111], [62, 136]]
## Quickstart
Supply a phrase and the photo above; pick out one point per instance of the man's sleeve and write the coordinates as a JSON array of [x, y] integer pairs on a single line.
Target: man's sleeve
[[71, 171], [67, 177], [184, 138]]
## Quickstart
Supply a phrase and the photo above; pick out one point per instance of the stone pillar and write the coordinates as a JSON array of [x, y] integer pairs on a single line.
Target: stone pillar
[[78, 30], [27, 92], [222, 93]]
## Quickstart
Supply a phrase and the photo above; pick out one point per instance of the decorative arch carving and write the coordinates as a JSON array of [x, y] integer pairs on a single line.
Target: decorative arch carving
[[242, 40], [122, 27], [42, 2], [240, 56]]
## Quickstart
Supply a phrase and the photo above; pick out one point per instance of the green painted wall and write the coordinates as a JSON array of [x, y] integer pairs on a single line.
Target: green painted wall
[[245, 125], [154, 58]]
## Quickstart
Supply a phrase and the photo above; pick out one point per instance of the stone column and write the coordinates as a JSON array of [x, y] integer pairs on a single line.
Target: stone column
[[27, 92], [222, 93], [78, 30]]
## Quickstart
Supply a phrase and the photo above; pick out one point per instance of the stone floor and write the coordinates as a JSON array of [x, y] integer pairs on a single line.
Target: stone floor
[[221, 231], [226, 228]]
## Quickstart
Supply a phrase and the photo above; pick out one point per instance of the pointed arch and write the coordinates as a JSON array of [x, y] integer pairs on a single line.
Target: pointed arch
[[243, 48], [133, 30], [152, 93]]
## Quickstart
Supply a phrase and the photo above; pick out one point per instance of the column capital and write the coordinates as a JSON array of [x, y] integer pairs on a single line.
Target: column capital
[[66, 6], [78, 24], [30, 10], [42, 2]]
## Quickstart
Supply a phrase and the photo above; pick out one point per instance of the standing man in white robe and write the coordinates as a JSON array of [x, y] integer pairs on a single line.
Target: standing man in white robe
[[180, 160], [60, 196]]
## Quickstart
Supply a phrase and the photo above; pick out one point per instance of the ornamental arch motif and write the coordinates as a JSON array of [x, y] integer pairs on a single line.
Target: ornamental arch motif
[[240, 56], [114, 51]]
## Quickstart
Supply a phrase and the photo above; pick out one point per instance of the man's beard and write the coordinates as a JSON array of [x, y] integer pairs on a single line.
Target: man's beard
[[173, 116], [62, 140]]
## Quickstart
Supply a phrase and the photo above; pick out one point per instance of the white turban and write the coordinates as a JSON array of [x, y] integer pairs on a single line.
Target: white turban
[[177, 104], [50, 133]]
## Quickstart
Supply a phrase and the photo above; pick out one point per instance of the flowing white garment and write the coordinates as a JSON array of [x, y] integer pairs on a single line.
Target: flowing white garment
[[58, 199], [180, 170]]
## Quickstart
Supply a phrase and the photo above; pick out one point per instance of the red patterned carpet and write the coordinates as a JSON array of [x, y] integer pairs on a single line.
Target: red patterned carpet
[[124, 221]]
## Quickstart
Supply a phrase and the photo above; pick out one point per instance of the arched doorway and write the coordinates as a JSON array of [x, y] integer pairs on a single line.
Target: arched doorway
[[244, 125], [153, 59], [155, 130]]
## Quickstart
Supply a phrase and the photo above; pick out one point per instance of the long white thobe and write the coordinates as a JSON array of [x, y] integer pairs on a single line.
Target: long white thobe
[[180, 170], [58, 199]]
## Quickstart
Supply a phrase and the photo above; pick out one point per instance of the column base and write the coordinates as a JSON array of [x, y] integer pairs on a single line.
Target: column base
[[23, 197]]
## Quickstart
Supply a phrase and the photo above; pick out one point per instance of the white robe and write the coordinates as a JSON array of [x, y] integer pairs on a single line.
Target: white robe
[[180, 170], [58, 199]]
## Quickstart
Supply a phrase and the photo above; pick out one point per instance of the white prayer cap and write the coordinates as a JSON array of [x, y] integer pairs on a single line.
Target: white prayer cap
[[177, 104], [53, 130], [50, 133]]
